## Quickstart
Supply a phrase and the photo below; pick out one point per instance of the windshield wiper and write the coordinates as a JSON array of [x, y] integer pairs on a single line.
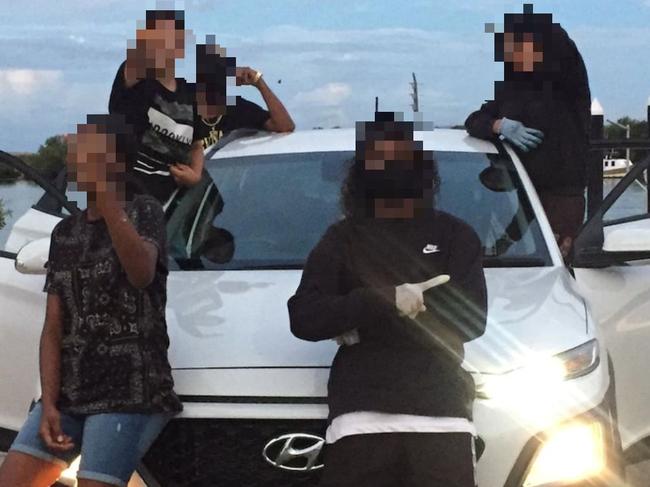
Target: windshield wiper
[[504, 261]]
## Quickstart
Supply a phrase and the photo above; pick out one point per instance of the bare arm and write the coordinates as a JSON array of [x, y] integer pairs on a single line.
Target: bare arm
[[50, 351], [279, 120], [137, 256], [50, 367], [197, 159]]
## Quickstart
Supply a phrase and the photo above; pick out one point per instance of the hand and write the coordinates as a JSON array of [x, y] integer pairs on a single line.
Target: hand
[[519, 135], [246, 76], [409, 298], [184, 175], [50, 430]]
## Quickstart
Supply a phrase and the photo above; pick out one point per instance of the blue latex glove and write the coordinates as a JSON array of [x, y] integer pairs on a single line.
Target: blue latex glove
[[519, 135]]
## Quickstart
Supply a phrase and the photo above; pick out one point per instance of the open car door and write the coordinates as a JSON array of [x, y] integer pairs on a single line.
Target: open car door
[[611, 260], [37, 205]]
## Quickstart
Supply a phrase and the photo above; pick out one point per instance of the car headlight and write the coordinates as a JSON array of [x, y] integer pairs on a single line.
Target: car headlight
[[69, 475], [541, 376], [572, 453]]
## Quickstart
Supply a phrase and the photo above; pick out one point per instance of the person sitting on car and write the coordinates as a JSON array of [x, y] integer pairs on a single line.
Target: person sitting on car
[[400, 286], [217, 118], [107, 388], [542, 108], [160, 106]]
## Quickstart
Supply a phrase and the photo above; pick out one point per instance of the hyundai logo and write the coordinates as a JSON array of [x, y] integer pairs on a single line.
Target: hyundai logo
[[296, 452]]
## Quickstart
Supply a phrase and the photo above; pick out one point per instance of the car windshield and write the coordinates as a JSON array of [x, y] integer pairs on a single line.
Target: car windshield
[[269, 211]]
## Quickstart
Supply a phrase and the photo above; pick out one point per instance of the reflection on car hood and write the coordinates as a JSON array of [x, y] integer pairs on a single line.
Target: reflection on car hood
[[239, 319], [531, 312]]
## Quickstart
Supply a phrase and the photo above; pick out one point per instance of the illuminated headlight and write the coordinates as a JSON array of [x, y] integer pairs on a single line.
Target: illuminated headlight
[[541, 376], [573, 453], [69, 475]]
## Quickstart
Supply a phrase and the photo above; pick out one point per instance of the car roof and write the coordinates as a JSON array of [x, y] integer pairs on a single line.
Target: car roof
[[335, 140]]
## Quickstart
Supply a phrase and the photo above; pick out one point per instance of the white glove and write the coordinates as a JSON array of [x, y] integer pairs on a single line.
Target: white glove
[[409, 298]]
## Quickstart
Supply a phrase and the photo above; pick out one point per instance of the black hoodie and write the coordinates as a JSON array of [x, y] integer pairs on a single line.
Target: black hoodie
[[400, 366], [554, 99]]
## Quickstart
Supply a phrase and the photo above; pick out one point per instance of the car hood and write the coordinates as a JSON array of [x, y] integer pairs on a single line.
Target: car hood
[[239, 319], [531, 312]]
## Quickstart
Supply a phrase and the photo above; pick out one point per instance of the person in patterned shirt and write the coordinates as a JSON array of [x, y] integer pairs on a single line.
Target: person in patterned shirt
[[107, 389]]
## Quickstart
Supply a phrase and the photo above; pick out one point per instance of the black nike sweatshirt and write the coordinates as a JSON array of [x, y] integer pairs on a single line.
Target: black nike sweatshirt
[[401, 365]]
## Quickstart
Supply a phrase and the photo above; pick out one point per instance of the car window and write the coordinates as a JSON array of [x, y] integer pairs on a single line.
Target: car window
[[485, 191], [270, 211], [631, 204]]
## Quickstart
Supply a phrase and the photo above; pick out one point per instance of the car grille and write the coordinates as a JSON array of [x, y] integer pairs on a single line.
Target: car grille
[[225, 453]]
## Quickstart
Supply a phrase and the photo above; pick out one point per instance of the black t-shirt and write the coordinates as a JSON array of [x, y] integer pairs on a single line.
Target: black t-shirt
[[164, 123], [244, 114], [114, 344]]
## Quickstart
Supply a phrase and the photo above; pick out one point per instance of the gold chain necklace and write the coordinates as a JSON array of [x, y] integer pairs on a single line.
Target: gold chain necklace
[[212, 124]]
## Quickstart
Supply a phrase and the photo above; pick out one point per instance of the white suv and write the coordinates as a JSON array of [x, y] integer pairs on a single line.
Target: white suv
[[255, 396]]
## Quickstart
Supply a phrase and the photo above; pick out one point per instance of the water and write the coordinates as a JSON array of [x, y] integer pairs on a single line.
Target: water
[[18, 197]]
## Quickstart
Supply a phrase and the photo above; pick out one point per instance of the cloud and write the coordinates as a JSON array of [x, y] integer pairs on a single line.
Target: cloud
[[77, 39], [328, 95], [26, 82]]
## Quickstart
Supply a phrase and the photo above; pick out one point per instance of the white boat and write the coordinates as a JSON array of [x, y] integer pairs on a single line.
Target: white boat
[[616, 168]]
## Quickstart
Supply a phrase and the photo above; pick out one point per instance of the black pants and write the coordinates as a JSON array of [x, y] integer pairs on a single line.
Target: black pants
[[401, 460]]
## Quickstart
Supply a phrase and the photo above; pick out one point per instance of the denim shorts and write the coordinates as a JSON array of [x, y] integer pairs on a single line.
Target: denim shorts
[[111, 445]]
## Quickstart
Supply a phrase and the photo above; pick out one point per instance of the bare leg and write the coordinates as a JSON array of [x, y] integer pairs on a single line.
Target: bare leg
[[22, 470]]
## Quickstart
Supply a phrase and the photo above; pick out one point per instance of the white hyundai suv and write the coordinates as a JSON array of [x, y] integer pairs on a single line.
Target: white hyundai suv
[[548, 408]]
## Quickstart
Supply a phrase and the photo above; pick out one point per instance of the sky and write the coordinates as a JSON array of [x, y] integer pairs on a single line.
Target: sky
[[325, 59]]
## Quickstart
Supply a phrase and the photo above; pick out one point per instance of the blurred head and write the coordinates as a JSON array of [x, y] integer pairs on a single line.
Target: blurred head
[[162, 40], [523, 52], [390, 167], [99, 154], [212, 70], [525, 42]]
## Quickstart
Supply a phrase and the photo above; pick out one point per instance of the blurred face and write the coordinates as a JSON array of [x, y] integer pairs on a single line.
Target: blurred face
[[208, 105], [92, 162], [163, 44], [395, 154], [394, 179], [524, 55]]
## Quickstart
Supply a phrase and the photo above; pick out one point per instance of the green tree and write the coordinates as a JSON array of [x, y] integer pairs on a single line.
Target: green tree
[[50, 157], [7, 174], [3, 213]]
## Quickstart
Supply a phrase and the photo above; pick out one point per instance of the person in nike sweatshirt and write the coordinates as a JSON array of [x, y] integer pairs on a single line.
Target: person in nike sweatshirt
[[401, 287]]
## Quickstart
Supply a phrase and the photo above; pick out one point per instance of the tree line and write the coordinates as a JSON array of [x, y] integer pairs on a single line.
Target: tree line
[[49, 159]]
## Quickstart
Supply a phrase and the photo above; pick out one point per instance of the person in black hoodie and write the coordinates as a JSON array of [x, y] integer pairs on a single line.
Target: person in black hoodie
[[400, 286], [543, 109]]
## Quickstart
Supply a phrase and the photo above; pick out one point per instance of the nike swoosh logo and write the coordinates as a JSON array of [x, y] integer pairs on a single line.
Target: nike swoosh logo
[[430, 249]]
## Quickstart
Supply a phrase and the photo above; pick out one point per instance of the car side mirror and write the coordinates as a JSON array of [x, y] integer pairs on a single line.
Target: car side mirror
[[628, 237], [32, 257]]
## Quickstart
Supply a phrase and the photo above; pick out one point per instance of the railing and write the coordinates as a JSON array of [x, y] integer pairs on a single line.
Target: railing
[[599, 145]]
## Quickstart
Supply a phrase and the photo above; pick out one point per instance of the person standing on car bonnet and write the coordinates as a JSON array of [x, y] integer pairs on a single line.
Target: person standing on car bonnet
[[107, 388], [160, 106], [400, 286], [542, 108], [217, 118]]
